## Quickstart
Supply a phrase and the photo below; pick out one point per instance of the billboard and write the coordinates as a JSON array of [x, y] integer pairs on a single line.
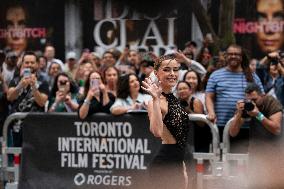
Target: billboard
[[142, 25], [30, 25], [258, 26]]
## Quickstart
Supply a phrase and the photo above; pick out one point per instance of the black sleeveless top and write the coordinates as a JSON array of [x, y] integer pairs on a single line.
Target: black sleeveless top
[[176, 120]]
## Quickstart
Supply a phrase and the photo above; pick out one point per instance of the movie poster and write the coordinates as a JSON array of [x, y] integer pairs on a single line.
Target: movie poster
[[258, 26], [138, 24], [30, 25]]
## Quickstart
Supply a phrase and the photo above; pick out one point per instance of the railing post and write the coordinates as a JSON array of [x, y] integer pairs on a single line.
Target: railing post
[[10, 150]]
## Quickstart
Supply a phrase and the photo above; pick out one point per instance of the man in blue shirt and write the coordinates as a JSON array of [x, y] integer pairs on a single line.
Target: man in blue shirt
[[227, 85]]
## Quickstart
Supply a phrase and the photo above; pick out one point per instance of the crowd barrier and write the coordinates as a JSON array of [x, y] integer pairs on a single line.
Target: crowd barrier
[[221, 165], [61, 151]]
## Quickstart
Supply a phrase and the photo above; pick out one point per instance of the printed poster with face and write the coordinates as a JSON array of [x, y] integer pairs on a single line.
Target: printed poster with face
[[258, 26], [31, 25]]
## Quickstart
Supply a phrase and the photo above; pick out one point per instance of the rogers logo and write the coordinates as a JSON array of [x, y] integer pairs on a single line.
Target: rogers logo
[[108, 180], [79, 179]]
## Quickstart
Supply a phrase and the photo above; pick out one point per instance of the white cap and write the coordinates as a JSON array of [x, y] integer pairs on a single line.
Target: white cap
[[71, 55], [96, 54], [170, 51]]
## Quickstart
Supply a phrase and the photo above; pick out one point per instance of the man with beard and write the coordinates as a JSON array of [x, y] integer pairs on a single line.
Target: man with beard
[[263, 114], [28, 91], [226, 86]]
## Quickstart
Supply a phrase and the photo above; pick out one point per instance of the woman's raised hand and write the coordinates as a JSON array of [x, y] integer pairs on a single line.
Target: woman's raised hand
[[151, 88]]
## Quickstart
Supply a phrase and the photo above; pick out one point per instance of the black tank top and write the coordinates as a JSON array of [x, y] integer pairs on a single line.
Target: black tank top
[[176, 120]]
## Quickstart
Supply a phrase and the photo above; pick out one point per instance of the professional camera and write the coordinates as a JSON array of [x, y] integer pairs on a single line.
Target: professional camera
[[275, 61], [249, 106]]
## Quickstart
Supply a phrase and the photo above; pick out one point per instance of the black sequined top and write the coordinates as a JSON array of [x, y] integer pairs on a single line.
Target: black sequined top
[[176, 120]]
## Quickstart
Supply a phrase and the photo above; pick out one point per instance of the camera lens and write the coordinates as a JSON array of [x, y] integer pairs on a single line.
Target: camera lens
[[249, 106], [274, 62]]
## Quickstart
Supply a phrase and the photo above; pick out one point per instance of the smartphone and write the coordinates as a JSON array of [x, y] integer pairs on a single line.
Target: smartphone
[[62, 89], [27, 72], [94, 84], [62, 86]]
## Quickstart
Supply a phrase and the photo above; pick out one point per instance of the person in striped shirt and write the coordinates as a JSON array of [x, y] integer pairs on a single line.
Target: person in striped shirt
[[227, 85]]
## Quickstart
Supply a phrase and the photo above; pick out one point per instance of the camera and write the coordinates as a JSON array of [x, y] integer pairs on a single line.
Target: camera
[[249, 106], [274, 61]]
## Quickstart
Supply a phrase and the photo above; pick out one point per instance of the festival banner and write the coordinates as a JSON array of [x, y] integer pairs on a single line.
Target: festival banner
[[103, 151]]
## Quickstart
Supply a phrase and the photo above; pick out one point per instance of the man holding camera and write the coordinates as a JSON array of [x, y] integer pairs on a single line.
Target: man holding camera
[[271, 71], [266, 142]]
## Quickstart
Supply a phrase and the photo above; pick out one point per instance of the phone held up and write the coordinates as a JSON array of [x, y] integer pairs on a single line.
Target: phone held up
[[27, 72], [94, 84], [62, 86]]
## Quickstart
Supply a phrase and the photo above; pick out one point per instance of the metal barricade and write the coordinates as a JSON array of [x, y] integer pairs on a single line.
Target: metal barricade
[[221, 160], [219, 157], [10, 173], [241, 160], [213, 157]]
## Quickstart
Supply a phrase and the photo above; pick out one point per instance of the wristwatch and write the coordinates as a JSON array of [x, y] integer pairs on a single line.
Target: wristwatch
[[86, 101]]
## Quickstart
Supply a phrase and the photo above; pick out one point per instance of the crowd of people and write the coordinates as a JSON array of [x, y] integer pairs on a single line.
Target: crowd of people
[[110, 83], [216, 85]]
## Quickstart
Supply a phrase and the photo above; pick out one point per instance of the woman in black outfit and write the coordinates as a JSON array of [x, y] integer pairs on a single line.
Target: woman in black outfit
[[96, 98], [169, 122]]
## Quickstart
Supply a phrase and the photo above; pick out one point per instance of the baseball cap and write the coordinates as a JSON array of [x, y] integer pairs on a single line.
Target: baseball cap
[[11, 54], [96, 54], [71, 55]]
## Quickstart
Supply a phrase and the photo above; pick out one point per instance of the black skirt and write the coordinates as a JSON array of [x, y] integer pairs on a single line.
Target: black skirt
[[166, 170]]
